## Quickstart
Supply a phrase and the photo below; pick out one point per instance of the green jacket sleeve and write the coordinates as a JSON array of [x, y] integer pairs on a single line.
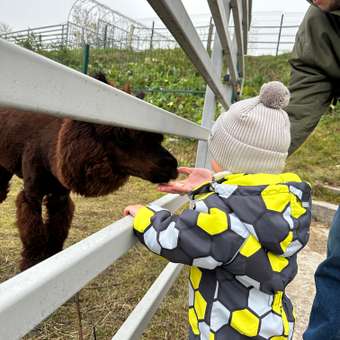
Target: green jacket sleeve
[[315, 70]]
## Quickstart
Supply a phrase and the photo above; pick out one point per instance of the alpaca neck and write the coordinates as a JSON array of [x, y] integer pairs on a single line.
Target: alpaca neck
[[82, 163]]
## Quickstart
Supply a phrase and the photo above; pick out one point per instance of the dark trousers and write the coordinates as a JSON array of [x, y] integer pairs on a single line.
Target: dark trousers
[[324, 323]]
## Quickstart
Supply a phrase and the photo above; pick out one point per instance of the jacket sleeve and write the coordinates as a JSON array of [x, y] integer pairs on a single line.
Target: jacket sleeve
[[202, 239], [310, 85]]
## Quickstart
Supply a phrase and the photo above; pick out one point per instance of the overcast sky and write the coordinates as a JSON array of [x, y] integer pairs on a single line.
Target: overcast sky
[[20, 14]]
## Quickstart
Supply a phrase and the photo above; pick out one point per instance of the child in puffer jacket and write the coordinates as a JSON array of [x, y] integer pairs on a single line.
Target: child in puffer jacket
[[246, 227]]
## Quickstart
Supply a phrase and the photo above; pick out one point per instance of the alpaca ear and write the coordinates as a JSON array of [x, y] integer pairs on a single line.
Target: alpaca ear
[[140, 94], [81, 162], [101, 77]]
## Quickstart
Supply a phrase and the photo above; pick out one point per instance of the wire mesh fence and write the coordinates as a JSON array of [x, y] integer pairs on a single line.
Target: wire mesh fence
[[263, 39], [99, 26]]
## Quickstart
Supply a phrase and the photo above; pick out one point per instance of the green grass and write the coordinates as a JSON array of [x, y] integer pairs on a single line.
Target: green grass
[[318, 160], [262, 69]]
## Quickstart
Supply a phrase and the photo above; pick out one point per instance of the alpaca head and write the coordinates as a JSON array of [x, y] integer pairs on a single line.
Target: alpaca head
[[94, 160], [139, 153]]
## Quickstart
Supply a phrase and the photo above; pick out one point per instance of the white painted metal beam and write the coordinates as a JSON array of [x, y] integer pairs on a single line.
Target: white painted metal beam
[[250, 9], [177, 20], [31, 296], [135, 324], [220, 10], [245, 24], [237, 9], [209, 107], [32, 82]]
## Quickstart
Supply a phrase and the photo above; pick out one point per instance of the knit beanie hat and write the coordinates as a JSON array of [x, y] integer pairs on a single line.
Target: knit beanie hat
[[253, 136]]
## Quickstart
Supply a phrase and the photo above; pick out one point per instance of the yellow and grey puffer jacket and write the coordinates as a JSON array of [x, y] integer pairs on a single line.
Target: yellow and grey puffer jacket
[[241, 239]]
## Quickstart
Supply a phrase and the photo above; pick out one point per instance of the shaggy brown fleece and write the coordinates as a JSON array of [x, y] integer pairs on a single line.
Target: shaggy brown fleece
[[54, 156]]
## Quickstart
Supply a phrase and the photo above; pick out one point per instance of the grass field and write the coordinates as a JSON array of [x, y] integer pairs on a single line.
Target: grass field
[[107, 300]]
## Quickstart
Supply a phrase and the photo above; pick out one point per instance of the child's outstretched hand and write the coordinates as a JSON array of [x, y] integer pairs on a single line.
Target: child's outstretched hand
[[196, 176], [132, 210]]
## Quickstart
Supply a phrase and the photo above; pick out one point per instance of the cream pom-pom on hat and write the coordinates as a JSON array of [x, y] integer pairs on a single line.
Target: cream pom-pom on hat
[[253, 136]]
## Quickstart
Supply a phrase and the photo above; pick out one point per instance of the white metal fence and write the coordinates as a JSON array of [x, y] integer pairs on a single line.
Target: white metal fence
[[270, 33], [30, 297]]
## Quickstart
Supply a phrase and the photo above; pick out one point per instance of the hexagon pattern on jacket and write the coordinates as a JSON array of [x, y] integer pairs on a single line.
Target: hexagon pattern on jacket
[[241, 240]]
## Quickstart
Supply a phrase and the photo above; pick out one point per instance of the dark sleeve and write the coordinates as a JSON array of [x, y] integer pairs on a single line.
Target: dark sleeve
[[310, 85]]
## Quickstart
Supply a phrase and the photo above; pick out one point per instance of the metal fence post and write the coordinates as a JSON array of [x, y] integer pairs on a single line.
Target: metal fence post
[[83, 35], [67, 33], [152, 32], [130, 36], [105, 35], [97, 44], [62, 35], [279, 37], [209, 107], [112, 36], [210, 33], [86, 57]]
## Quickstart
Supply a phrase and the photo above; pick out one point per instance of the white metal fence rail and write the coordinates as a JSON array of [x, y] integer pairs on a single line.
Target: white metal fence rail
[[35, 83], [31, 296], [26, 83]]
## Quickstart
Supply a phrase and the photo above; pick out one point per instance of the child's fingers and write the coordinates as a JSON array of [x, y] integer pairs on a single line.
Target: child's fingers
[[171, 191], [185, 170], [126, 211], [166, 188], [173, 188], [172, 184]]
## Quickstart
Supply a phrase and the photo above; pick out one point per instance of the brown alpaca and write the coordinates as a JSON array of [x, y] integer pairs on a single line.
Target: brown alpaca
[[55, 156]]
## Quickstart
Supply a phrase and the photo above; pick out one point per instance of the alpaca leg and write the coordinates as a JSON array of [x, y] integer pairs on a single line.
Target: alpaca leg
[[32, 229], [5, 177], [60, 210]]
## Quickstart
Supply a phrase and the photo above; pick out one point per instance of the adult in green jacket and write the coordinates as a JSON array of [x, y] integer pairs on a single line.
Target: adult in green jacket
[[315, 77], [315, 83]]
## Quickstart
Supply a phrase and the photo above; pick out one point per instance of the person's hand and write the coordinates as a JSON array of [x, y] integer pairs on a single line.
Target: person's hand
[[196, 176], [132, 210]]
